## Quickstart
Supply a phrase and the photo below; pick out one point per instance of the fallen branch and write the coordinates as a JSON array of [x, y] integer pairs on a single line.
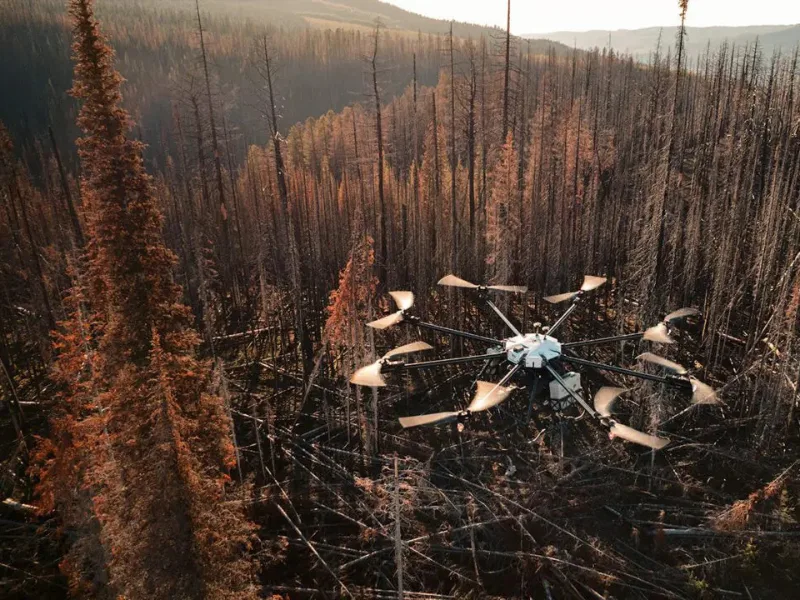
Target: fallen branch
[[19, 506], [313, 550]]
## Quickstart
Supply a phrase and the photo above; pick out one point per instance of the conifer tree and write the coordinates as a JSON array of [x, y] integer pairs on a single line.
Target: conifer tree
[[349, 306], [141, 434], [502, 221]]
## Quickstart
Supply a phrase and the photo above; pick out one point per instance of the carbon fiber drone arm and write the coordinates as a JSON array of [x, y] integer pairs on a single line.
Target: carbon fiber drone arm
[[412, 320], [566, 314], [605, 340], [398, 365], [500, 314], [667, 379]]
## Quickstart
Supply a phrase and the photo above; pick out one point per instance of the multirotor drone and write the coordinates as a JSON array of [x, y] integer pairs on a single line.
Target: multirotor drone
[[532, 360]]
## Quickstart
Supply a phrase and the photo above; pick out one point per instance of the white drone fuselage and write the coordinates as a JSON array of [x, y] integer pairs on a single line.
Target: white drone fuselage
[[532, 350]]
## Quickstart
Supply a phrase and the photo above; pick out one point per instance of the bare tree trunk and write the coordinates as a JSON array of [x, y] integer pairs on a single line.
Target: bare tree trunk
[[201, 152], [398, 539], [662, 226], [290, 232], [77, 231], [13, 191], [214, 138], [473, 88], [453, 160], [507, 74], [383, 259]]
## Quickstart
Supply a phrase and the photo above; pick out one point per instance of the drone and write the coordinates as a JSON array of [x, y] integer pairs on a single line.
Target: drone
[[532, 360]]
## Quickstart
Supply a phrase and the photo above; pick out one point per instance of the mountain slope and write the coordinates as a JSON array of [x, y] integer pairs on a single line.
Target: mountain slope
[[641, 42], [333, 14]]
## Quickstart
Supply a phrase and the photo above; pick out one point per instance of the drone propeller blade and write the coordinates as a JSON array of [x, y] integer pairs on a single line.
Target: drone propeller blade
[[637, 437], [681, 313], [604, 399], [591, 282], [560, 297], [488, 395], [663, 362], [702, 393], [517, 289], [658, 333], [404, 300], [388, 321], [369, 376], [431, 419], [408, 349], [454, 281]]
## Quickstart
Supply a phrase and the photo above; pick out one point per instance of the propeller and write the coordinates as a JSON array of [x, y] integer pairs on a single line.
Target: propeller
[[702, 393], [453, 281], [663, 362], [604, 399], [681, 313], [404, 301], [590, 282], [660, 333], [487, 395], [603, 404], [370, 376], [431, 419], [618, 430]]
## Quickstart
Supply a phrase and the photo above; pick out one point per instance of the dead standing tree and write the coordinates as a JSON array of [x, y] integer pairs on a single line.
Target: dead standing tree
[[453, 157], [383, 259], [507, 73], [215, 145], [288, 232]]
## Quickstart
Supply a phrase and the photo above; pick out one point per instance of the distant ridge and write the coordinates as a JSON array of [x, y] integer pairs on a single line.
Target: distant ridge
[[360, 14], [641, 42]]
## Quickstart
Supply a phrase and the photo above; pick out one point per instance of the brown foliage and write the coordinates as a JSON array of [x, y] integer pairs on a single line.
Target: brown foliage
[[503, 223], [349, 303], [142, 450]]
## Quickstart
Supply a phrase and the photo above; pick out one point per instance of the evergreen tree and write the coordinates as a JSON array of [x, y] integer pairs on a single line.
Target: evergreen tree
[[144, 437]]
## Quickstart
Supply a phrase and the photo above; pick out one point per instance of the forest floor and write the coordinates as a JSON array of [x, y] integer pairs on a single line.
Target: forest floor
[[512, 506]]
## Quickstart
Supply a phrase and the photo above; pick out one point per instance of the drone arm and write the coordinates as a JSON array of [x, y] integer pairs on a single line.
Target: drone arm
[[500, 314], [566, 314], [470, 336], [669, 380], [442, 362], [575, 396], [605, 340], [507, 377]]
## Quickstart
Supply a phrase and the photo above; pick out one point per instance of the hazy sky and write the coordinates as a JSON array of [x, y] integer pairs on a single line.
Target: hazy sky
[[539, 16]]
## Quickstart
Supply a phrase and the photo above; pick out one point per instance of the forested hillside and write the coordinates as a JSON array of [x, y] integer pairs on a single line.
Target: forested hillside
[[177, 341], [641, 43], [323, 67], [159, 52]]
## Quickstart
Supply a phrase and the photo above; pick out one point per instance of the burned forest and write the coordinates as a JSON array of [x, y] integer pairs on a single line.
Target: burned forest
[[267, 283]]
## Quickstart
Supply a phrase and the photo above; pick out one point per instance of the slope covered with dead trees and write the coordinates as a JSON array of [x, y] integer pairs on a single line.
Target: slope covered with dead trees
[[679, 182]]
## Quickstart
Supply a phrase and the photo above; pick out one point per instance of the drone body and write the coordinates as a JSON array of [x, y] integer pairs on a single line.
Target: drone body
[[540, 358], [532, 350]]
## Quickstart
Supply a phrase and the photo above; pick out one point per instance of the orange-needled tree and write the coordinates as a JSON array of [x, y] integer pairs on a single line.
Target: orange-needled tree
[[137, 428]]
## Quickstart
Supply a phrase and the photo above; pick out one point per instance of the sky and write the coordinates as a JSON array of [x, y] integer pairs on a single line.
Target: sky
[[542, 16]]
